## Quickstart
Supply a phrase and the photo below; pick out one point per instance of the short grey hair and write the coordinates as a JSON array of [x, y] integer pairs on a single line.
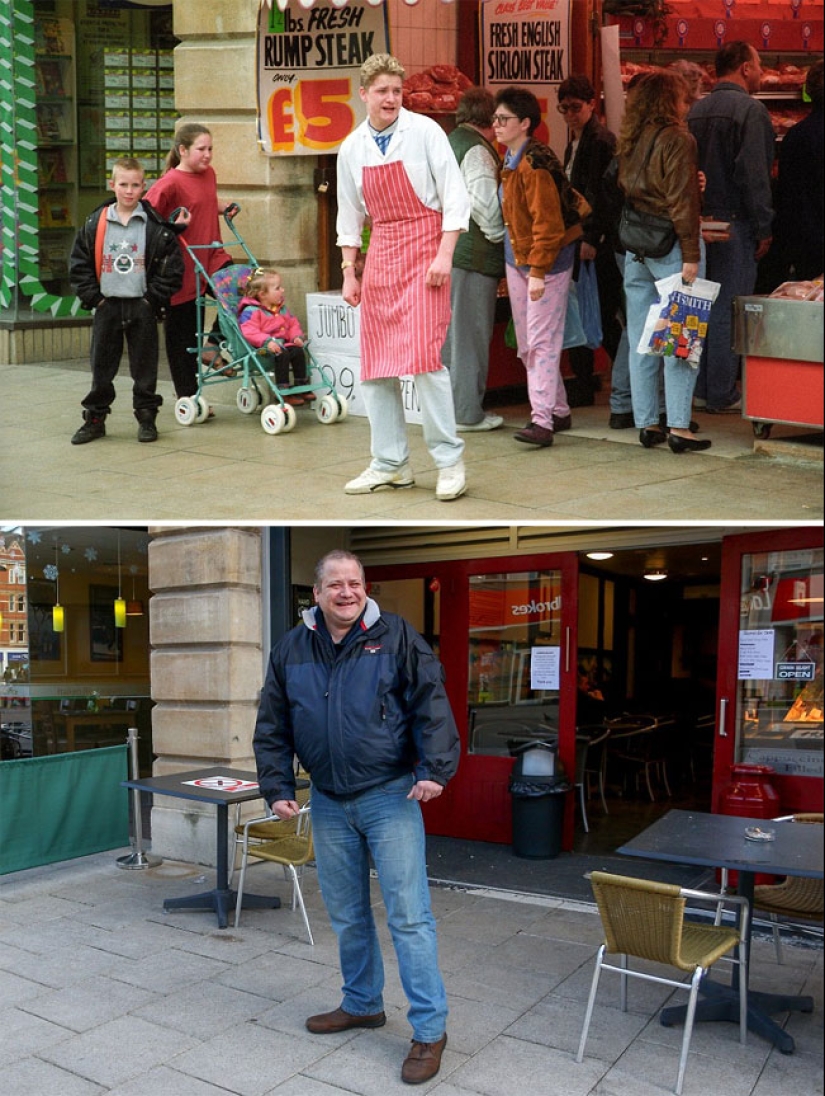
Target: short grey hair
[[336, 556]]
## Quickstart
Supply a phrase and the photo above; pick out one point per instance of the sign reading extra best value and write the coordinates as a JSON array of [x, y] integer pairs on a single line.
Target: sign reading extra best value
[[309, 63]]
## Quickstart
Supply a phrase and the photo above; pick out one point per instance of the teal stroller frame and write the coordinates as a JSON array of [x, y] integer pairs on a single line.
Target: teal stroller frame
[[238, 359]]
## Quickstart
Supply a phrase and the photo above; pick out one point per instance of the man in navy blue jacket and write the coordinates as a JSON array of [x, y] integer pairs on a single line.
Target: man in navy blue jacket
[[735, 139], [359, 697]]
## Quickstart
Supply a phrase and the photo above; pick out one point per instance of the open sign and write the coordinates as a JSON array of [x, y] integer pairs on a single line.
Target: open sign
[[795, 671]]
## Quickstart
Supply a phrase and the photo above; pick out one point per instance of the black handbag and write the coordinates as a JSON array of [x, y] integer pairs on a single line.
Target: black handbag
[[646, 235]]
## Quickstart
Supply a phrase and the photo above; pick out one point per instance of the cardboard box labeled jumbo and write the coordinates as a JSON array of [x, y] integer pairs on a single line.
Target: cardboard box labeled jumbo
[[334, 335]]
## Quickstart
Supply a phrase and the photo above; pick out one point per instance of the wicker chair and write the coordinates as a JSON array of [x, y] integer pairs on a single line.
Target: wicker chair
[[794, 899], [293, 851], [646, 920], [267, 826]]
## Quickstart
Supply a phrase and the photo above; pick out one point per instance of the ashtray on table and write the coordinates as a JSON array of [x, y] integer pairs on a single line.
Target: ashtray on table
[[756, 833]]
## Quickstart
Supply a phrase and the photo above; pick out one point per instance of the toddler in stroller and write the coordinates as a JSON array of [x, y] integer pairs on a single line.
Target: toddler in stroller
[[268, 325]]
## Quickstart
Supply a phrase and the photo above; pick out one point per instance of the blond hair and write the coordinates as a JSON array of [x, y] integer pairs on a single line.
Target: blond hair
[[126, 163], [380, 64], [256, 282]]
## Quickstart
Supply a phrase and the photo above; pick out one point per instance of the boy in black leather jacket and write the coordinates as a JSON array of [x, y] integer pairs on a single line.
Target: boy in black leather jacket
[[125, 265]]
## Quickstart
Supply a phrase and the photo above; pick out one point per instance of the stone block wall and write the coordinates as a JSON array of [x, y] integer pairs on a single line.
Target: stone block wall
[[206, 668], [215, 84]]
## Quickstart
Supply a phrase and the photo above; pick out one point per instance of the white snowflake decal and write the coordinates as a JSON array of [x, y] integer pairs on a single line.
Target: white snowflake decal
[[50, 572], [35, 537], [91, 554]]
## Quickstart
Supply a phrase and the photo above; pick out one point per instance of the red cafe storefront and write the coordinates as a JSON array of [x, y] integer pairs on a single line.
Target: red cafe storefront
[[733, 662]]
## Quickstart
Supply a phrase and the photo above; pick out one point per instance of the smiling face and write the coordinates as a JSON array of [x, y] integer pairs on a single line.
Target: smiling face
[[198, 156], [341, 596], [383, 100]]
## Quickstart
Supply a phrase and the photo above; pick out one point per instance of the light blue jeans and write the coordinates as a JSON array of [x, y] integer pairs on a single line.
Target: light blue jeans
[[384, 402], [384, 824], [680, 379]]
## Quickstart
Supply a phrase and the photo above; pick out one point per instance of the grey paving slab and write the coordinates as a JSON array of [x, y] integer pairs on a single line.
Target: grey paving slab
[[164, 1081], [22, 1034], [90, 1003], [230, 469], [250, 1060], [197, 1011], [33, 1077], [119, 1050]]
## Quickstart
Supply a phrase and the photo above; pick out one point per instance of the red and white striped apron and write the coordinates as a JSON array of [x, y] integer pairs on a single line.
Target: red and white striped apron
[[403, 322]]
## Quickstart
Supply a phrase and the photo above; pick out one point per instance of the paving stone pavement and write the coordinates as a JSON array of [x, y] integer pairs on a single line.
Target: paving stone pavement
[[229, 469], [103, 992]]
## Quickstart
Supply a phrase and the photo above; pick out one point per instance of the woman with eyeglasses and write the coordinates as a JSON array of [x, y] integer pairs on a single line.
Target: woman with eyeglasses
[[658, 174], [543, 220]]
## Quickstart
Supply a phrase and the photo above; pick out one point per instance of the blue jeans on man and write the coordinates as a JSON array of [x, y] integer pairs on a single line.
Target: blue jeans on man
[[384, 825], [733, 264]]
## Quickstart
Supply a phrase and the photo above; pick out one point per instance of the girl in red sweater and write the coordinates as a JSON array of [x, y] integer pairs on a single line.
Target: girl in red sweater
[[190, 186]]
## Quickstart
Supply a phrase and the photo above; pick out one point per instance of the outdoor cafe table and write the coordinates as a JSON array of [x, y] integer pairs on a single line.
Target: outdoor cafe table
[[718, 841], [219, 785]]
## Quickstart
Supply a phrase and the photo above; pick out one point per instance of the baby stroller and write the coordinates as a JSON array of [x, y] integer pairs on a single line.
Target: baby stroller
[[238, 359]]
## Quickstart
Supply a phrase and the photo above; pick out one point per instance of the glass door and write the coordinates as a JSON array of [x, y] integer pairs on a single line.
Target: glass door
[[770, 679], [505, 631]]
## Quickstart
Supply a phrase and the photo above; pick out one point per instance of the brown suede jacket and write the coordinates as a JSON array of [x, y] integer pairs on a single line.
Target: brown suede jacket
[[542, 212], [668, 184]]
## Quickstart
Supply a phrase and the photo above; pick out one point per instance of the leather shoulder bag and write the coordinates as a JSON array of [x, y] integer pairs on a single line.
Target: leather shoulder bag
[[646, 235]]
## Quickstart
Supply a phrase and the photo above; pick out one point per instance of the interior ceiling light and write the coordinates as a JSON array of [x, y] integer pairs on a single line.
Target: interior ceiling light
[[656, 574], [600, 555]]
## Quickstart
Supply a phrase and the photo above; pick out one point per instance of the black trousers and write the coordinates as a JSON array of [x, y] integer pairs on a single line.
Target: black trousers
[[117, 320], [290, 356], [180, 329]]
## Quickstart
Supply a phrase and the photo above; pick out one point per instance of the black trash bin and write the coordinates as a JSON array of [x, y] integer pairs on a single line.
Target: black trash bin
[[538, 786]]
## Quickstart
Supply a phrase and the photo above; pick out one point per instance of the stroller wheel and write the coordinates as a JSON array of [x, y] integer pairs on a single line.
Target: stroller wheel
[[248, 400], [273, 419], [291, 418], [203, 409], [343, 406], [327, 410], [186, 410]]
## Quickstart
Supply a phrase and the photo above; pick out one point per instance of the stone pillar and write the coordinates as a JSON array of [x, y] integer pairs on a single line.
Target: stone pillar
[[206, 668], [216, 84]]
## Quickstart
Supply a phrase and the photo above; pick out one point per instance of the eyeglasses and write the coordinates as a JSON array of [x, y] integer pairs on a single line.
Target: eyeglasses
[[570, 108], [502, 119]]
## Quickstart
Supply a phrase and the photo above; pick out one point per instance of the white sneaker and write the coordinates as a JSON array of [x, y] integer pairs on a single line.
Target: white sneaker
[[451, 483], [372, 480], [489, 422]]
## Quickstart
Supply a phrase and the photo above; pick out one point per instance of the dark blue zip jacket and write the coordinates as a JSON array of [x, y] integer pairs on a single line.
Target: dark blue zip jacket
[[357, 714]]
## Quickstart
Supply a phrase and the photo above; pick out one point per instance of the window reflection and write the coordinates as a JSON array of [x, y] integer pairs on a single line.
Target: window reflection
[[514, 650], [780, 702]]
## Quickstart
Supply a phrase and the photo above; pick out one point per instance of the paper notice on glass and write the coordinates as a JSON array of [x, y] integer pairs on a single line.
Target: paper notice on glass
[[612, 78], [544, 667], [756, 655]]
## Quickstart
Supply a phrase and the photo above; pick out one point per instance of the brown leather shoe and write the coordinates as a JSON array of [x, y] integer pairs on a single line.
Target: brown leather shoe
[[423, 1061], [561, 423], [325, 1023]]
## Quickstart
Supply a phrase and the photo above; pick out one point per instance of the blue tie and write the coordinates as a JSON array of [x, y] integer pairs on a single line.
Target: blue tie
[[382, 140]]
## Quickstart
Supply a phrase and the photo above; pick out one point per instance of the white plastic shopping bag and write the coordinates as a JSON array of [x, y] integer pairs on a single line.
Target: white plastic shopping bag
[[677, 326]]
